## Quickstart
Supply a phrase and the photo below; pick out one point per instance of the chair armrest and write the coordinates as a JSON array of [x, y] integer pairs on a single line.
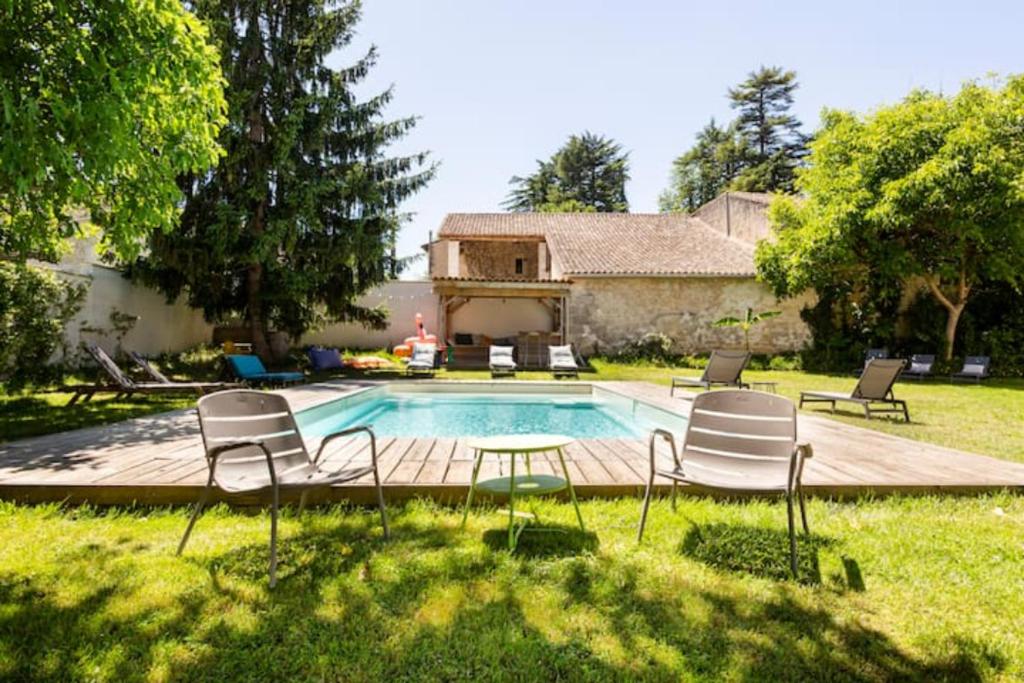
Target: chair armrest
[[667, 436], [348, 432], [806, 450], [801, 453], [217, 451]]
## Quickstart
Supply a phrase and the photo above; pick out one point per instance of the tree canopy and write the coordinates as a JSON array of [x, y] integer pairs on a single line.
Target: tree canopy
[[102, 106], [756, 152], [588, 173], [300, 217], [930, 190]]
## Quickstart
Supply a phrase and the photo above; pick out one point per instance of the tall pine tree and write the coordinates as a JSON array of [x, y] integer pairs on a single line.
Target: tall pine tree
[[771, 135], [301, 215], [588, 173], [700, 173]]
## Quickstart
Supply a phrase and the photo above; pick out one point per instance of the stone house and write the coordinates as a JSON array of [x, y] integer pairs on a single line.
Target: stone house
[[599, 280]]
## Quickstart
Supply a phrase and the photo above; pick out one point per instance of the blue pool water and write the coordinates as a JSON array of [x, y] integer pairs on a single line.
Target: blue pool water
[[453, 415]]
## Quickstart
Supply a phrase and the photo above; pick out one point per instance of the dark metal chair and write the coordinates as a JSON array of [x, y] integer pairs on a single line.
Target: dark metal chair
[[253, 445], [920, 367], [975, 369], [737, 441]]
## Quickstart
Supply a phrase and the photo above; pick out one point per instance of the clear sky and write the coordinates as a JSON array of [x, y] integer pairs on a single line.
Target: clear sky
[[500, 84]]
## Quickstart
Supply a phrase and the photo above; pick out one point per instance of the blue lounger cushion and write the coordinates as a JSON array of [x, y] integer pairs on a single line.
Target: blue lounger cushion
[[250, 367]]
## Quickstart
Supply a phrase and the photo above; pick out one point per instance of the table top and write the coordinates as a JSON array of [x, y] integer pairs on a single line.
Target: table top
[[519, 443]]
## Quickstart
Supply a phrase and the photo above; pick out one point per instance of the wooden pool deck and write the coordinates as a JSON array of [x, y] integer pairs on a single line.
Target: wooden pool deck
[[158, 459]]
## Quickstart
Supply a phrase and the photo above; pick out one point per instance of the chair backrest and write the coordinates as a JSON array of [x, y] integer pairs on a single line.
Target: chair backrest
[[246, 365], [561, 356], [502, 354], [921, 363], [141, 361], [976, 366], [324, 359], [878, 377], [243, 414], [109, 366], [726, 366], [742, 433], [872, 354], [424, 353]]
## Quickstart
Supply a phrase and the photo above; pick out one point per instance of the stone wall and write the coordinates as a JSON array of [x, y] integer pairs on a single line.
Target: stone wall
[[740, 215], [607, 312], [496, 259]]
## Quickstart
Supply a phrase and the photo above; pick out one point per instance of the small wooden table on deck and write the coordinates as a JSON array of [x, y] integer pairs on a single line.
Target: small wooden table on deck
[[523, 485]]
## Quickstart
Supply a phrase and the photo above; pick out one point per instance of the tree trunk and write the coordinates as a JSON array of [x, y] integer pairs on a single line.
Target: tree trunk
[[254, 313], [953, 307]]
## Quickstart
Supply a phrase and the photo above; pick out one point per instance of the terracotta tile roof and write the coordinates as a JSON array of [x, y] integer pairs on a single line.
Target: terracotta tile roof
[[615, 243]]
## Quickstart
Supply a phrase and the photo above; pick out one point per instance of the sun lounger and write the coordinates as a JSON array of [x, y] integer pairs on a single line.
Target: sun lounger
[[561, 362], [121, 385], [873, 388], [724, 368], [423, 359], [975, 369], [253, 446], [920, 367], [250, 369], [501, 361], [737, 441]]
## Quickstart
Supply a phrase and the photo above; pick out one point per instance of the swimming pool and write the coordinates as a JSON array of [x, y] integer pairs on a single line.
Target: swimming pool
[[470, 410]]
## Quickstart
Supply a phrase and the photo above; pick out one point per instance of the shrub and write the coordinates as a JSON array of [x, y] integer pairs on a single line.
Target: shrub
[[652, 347], [35, 306]]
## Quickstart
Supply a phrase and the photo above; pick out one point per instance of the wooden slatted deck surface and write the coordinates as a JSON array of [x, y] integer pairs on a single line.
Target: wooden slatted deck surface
[[158, 460]]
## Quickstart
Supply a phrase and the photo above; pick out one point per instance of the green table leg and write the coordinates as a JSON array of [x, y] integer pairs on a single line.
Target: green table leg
[[472, 486], [512, 506], [572, 491]]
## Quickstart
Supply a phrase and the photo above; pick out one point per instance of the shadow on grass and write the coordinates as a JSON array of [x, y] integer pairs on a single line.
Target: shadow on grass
[[544, 540], [351, 606], [754, 550]]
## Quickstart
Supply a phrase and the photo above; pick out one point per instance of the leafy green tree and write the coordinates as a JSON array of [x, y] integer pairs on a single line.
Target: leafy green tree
[[588, 173], [930, 189], [301, 216], [102, 105], [747, 322], [773, 142], [702, 172]]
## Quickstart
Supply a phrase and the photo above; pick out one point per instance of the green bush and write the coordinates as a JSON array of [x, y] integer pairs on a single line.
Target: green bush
[[35, 306]]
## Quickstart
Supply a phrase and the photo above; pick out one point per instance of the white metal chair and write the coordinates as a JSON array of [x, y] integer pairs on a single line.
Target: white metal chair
[[500, 361], [737, 441], [253, 445]]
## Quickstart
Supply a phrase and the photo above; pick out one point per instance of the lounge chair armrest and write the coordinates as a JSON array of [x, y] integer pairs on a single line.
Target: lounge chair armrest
[[667, 436], [348, 432]]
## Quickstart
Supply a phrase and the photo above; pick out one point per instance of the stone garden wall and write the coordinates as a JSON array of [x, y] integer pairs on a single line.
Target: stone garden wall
[[607, 312]]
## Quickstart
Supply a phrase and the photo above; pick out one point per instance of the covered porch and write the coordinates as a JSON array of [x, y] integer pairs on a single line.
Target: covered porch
[[527, 314]]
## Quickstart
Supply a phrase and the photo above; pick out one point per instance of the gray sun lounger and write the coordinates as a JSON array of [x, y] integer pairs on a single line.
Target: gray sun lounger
[[975, 369], [562, 363], [501, 361], [422, 360], [253, 446], [724, 368], [737, 441], [874, 388], [920, 367], [121, 385]]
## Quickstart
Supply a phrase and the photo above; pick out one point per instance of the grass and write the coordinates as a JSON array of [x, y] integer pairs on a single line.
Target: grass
[[965, 416], [902, 589]]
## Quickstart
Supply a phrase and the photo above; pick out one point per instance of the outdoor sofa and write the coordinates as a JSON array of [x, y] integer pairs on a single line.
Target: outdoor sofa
[[562, 363], [423, 360], [501, 361]]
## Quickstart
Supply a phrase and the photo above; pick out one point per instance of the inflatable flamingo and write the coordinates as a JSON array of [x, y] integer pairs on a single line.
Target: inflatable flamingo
[[405, 349]]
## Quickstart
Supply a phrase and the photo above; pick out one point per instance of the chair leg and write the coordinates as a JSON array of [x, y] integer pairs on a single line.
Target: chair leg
[[675, 488], [803, 509], [203, 497], [302, 500], [273, 538], [643, 512], [380, 503], [906, 412], [792, 534]]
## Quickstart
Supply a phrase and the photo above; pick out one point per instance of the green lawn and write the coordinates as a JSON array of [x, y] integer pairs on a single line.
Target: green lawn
[[983, 419], [902, 589]]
